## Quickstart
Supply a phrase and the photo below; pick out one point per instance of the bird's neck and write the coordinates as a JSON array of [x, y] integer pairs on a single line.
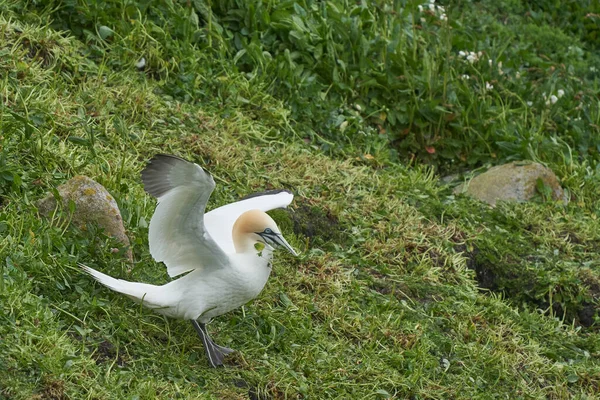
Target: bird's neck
[[253, 258], [242, 243]]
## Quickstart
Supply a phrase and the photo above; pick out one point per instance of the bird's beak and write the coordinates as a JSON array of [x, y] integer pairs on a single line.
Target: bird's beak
[[277, 240], [287, 246]]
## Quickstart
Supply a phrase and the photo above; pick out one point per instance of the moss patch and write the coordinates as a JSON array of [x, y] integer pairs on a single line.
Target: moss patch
[[317, 223]]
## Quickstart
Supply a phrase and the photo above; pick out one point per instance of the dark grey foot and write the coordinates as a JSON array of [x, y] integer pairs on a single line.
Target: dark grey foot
[[214, 352]]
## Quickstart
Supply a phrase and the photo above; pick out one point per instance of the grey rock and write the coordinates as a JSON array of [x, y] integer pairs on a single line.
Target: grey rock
[[449, 179], [93, 204], [516, 181]]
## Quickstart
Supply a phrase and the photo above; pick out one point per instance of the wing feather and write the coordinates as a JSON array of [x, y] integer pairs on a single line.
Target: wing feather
[[177, 234]]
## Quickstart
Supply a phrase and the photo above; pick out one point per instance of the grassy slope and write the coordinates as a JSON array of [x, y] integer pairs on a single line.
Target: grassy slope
[[381, 303]]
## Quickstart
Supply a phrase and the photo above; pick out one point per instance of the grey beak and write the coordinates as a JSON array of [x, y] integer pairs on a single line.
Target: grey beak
[[277, 240], [287, 246]]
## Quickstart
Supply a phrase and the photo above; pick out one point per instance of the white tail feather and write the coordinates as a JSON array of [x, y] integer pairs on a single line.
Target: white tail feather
[[136, 291]]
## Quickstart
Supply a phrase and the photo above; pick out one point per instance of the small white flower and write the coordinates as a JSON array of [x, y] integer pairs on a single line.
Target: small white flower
[[553, 99], [420, 8], [431, 1], [443, 17], [465, 77], [470, 56], [141, 64], [488, 86], [422, 20], [529, 103], [431, 7], [593, 69], [560, 93], [490, 62], [445, 364], [441, 9], [517, 75]]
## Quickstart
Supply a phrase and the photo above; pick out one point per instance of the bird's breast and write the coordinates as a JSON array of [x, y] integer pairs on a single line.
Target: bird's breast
[[224, 290]]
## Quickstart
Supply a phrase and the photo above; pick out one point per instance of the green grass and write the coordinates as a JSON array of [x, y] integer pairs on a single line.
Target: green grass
[[377, 78], [402, 290]]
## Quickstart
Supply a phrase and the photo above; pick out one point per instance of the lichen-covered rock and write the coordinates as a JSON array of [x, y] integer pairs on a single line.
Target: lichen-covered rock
[[516, 181], [92, 203]]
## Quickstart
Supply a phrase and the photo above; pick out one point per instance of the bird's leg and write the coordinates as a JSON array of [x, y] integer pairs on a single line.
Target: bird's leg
[[214, 352]]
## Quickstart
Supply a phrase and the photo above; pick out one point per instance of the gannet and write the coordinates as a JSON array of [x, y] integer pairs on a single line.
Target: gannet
[[226, 252]]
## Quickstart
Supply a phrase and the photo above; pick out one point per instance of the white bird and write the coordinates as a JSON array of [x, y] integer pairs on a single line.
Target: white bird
[[227, 252]]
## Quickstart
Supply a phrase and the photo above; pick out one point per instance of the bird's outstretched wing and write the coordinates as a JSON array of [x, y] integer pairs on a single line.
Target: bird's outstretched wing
[[177, 234], [219, 222]]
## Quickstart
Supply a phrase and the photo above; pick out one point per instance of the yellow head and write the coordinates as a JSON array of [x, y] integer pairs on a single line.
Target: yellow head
[[256, 226]]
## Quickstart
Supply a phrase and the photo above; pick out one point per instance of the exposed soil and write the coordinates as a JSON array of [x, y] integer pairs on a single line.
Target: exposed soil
[[106, 352], [587, 313], [52, 390], [519, 286], [484, 274], [256, 394], [39, 51], [318, 223]]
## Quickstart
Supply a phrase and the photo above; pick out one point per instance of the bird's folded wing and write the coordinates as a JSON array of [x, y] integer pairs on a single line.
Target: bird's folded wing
[[177, 234], [219, 222]]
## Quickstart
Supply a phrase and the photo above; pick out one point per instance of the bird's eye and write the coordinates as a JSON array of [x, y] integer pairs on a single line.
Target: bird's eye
[[268, 231]]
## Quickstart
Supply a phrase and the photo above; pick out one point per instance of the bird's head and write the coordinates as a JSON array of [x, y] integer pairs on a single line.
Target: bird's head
[[254, 227]]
